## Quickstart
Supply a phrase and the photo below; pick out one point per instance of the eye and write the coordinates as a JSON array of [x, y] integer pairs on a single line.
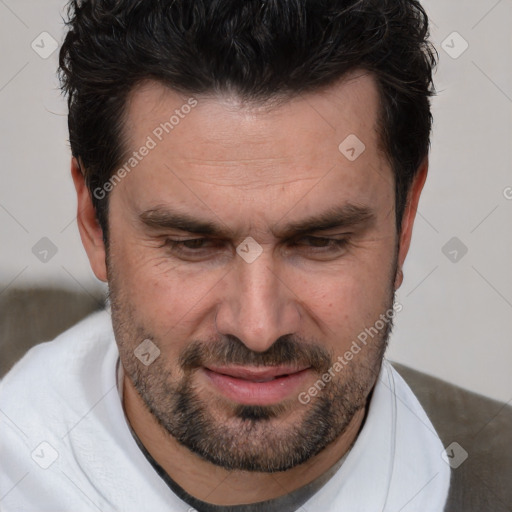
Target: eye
[[316, 241], [316, 244], [193, 247], [193, 243]]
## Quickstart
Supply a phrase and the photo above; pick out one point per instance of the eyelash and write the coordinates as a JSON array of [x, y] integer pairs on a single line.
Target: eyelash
[[333, 244]]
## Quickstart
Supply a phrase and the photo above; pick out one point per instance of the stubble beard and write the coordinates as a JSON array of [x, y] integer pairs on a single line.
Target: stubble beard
[[246, 437]]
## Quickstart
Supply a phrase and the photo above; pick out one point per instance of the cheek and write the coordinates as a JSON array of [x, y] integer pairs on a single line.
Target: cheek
[[164, 294], [351, 297], [346, 304]]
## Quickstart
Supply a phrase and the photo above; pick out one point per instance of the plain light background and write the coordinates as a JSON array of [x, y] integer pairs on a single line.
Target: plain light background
[[456, 321]]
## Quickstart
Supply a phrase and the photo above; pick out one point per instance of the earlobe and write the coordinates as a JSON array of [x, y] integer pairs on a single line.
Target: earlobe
[[408, 218], [399, 278], [88, 225]]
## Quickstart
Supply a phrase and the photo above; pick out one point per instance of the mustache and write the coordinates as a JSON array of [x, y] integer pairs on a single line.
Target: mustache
[[229, 350]]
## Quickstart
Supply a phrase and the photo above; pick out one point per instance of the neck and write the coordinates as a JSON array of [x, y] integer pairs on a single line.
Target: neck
[[216, 485]]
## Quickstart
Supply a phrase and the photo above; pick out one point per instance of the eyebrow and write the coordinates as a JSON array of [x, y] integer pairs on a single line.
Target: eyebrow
[[345, 216]]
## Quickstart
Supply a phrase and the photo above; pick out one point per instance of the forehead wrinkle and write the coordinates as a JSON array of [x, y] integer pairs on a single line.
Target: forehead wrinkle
[[254, 183], [240, 174]]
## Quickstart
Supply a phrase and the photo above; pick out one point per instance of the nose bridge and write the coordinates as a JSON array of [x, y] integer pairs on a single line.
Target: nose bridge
[[258, 289], [258, 309]]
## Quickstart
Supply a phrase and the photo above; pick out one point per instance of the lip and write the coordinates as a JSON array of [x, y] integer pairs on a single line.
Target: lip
[[256, 385]]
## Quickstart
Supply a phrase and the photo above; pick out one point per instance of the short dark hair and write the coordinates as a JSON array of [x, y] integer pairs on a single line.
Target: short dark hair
[[257, 49]]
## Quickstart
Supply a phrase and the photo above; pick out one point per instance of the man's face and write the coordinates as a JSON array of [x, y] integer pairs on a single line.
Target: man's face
[[243, 334]]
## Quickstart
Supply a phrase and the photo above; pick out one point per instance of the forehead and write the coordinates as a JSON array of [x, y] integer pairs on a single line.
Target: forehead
[[217, 150], [350, 105]]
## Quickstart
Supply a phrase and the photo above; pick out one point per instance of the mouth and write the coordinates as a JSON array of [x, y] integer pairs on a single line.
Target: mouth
[[256, 385]]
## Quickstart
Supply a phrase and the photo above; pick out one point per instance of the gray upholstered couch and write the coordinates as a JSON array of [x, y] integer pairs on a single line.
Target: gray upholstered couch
[[483, 427]]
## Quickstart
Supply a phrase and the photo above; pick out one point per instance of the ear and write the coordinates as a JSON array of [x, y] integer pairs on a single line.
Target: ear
[[409, 215], [90, 230]]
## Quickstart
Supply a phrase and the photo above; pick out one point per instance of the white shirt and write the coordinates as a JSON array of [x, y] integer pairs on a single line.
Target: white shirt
[[65, 444]]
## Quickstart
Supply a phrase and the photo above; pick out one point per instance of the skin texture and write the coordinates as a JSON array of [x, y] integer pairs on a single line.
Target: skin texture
[[252, 170]]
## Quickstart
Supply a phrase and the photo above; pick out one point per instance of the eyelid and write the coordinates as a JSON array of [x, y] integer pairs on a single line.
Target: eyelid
[[334, 248], [330, 236], [334, 240], [190, 238], [169, 240]]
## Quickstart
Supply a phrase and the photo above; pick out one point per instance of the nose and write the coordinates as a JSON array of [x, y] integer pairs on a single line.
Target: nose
[[258, 306]]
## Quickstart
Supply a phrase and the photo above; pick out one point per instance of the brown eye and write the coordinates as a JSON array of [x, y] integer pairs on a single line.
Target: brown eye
[[319, 247], [322, 243], [195, 243], [198, 248], [192, 243]]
